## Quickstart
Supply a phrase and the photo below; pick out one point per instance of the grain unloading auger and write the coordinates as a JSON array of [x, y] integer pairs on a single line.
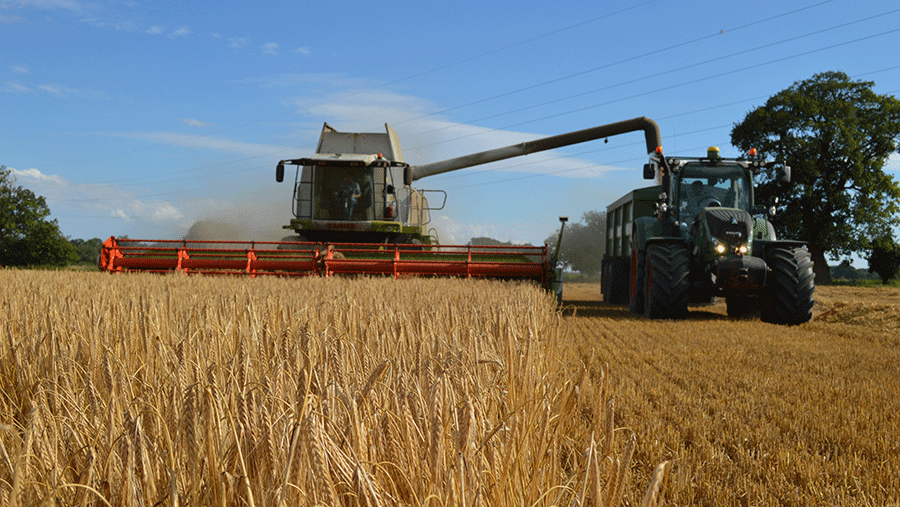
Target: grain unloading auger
[[356, 212]]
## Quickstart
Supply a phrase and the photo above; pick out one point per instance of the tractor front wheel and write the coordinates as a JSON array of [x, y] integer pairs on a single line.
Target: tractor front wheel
[[790, 287], [667, 268]]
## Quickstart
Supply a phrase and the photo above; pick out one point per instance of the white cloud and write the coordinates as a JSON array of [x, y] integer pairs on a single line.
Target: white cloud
[[154, 30], [238, 42], [180, 32], [10, 87], [65, 91], [111, 200], [194, 123], [10, 19], [303, 51], [125, 25], [51, 5], [270, 48], [205, 142], [20, 69]]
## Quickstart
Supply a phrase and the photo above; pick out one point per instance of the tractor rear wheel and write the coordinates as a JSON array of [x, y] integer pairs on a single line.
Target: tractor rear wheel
[[667, 284], [791, 286]]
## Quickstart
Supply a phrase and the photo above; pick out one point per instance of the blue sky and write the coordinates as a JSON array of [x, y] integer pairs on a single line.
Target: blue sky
[[140, 118]]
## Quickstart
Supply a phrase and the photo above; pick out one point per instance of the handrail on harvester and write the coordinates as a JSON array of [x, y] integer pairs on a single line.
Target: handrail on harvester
[[325, 259]]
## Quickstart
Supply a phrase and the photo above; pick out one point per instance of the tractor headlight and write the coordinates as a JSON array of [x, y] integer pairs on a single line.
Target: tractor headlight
[[719, 247]]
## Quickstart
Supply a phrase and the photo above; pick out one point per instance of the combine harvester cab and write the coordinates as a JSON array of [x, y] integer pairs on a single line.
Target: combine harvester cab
[[356, 213], [352, 191], [698, 235]]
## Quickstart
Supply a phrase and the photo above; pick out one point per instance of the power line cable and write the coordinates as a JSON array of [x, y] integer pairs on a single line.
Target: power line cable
[[608, 65], [654, 76]]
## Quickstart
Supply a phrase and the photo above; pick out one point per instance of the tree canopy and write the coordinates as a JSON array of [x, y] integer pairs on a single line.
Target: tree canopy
[[27, 237], [582, 245], [837, 135], [88, 249]]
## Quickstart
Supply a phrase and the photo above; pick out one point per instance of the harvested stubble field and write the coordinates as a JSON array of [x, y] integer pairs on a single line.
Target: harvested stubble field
[[749, 413], [170, 390]]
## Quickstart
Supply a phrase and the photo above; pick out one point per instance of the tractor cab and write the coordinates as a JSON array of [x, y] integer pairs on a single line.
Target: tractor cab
[[700, 186]]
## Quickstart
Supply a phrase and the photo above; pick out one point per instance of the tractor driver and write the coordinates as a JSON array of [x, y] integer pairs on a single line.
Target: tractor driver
[[347, 195], [698, 198]]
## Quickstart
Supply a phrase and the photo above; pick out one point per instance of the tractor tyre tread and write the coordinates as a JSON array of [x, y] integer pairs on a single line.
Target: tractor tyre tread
[[789, 297], [667, 281]]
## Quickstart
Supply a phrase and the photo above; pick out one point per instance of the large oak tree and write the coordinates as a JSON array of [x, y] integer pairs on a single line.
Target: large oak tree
[[837, 135]]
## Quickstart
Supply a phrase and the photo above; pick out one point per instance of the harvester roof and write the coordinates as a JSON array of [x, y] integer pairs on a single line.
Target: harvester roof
[[345, 160]]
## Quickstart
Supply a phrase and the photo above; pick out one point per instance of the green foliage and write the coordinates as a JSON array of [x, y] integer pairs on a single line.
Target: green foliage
[[582, 245], [884, 258], [837, 135], [27, 237], [88, 249]]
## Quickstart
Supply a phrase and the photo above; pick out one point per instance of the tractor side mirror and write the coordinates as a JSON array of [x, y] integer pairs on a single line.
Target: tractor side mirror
[[650, 171], [785, 175], [279, 173]]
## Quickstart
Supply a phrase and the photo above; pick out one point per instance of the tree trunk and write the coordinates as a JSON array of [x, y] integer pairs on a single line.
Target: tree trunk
[[820, 267]]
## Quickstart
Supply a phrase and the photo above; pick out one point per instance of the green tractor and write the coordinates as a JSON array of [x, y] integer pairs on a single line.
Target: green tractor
[[699, 235]]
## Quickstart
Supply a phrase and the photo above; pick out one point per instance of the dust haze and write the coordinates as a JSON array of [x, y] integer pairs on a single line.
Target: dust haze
[[254, 215]]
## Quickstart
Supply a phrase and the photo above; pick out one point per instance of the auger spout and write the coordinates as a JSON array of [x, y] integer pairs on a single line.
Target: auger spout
[[650, 128]]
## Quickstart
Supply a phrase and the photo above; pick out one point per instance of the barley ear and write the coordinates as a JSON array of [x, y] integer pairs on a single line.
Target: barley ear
[[16, 496], [651, 498]]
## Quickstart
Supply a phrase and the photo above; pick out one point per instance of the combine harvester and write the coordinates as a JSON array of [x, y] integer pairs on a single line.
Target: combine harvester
[[356, 212]]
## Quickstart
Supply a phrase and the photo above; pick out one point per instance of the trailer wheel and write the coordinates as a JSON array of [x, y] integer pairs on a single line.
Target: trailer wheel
[[667, 284], [604, 279], [617, 271], [790, 287], [636, 290]]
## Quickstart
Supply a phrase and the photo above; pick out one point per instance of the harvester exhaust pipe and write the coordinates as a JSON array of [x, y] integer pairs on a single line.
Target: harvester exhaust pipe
[[650, 128], [562, 225]]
